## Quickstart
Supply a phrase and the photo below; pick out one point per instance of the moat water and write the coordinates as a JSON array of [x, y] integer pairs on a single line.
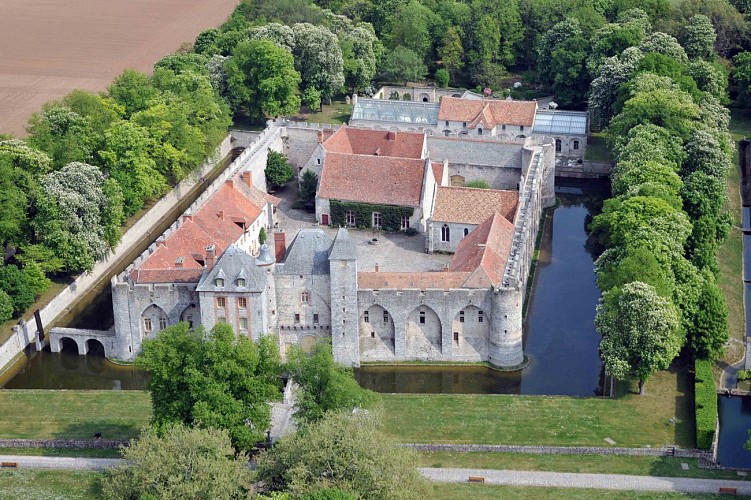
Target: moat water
[[560, 340]]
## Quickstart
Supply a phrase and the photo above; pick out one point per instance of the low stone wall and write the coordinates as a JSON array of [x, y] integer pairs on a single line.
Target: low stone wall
[[571, 168], [63, 443], [564, 450]]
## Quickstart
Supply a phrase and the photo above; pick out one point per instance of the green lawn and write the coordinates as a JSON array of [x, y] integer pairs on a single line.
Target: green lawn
[[462, 491], [631, 420], [337, 112], [63, 452], [592, 464], [31, 484], [73, 414]]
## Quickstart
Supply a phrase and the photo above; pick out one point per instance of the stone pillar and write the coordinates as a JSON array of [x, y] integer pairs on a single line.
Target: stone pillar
[[505, 346], [400, 335]]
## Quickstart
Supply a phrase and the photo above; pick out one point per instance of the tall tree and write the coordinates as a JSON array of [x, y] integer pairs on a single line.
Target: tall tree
[[402, 65], [641, 332], [318, 58], [451, 52], [698, 38], [212, 379], [262, 79]]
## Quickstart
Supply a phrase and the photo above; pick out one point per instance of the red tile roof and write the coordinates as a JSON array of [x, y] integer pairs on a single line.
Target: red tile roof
[[487, 112], [372, 179], [218, 222], [422, 281], [437, 172], [484, 252], [375, 142], [464, 205]]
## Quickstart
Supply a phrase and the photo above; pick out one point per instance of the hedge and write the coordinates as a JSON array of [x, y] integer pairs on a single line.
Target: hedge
[[391, 214], [705, 396]]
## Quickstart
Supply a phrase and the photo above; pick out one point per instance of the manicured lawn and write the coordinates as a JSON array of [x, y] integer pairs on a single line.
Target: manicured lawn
[[462, 491], [73, 414], [630, 420], [336, 112], [592, 464], [36, 484]]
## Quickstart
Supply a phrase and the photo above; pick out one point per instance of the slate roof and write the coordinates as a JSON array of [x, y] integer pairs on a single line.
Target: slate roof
[[463, 205], [487, 112], [372, 179], [561, 122], [218, 222], [422, 281], [375, 142], [307, 254], [233, 264], [387, 110], [342, 248], [484, 252], [481, 152]]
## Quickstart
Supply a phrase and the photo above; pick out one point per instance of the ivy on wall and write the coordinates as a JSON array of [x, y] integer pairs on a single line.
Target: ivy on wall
[[391, 215]]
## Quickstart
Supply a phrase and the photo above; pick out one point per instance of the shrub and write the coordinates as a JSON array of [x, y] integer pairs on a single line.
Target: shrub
[[411, 231], [744, 375], [705, 395], [479, 183], [406, 96], [391, 215], [442, 78], [262, 236]]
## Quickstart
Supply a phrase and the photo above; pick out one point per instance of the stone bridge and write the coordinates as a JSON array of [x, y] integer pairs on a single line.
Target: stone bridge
[[83, 340]]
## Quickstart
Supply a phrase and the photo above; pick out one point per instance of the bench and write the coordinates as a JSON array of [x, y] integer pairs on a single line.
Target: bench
[[728, 491], [476, 479], [9, 465]]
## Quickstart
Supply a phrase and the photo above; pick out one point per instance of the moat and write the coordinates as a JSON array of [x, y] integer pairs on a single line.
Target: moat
[[560, 340]]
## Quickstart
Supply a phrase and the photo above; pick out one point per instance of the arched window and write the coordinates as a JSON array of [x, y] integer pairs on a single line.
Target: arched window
[[445, 233], [466, 231], [479, 131], [575, 145]]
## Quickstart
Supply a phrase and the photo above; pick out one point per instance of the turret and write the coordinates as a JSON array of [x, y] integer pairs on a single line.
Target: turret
[[506, 328], [344, 315]]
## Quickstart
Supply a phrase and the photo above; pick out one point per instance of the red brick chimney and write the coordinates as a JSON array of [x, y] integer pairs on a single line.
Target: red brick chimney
[[280, 247], [391, 135], [230, 182], [188, 218], [247, 178], [210, 256], [320, 136]]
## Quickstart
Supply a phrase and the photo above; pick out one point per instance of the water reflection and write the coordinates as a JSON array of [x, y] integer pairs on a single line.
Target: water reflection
[[67, 370], [735, 421], [439, 379]]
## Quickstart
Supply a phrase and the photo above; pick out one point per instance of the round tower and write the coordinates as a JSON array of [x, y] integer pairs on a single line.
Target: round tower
[[506, 328]]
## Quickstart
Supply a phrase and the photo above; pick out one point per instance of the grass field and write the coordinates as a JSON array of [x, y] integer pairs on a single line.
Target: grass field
[[462, 491], [337, 112], [73, 414], [31, 484], [63, 452], [592, 464], [630, 420]]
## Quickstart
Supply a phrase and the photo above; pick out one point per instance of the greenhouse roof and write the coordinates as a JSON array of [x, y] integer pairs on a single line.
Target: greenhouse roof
[[560, 122], [383, 110]]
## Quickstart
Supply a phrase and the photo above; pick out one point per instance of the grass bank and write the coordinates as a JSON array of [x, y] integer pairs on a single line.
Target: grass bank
[[73, 414], [590, 464], [630, 420], [462, 491], [38, 484], [63, 452]]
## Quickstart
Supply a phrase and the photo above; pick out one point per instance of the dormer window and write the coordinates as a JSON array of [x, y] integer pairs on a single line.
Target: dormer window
[[464, 124], [241, 282], [219, 282]]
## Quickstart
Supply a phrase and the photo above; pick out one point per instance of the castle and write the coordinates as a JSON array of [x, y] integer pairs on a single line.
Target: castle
[[322, 281]]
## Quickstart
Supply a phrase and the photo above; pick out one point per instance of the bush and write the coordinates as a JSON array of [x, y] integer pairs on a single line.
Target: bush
[[744, 375], [705, 395], [480, 184], [442, 78], [411, 231], [406, 96], [278, 170]]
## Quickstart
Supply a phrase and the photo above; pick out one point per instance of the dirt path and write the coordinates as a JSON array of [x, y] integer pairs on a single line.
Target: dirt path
[[50, 47]]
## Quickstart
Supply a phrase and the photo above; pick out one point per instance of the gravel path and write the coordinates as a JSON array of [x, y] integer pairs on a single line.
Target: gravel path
[[597, 481], [71, 463]]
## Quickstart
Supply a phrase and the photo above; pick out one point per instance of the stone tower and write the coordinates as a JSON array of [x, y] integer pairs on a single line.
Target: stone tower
[[344, 315], [506, 329]]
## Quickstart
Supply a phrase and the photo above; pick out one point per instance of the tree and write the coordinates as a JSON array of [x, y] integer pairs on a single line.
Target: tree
[[6, 306], [324, 384], [619, 266], [278, 170], [410, 27], [318, 58], [556, 35], [664, 44], [611, 40], [359, 49], [402, 65], [742, 76], [181, 463], [206, 42], [262, 236], [442, 78], [705, 154], [72, 216], [709, 77], [15, 283], [14, 217], [345, 451], [603, 92], [23, 157], [641, 332], [212, 379], [698, 38], [710, 334], [311, 98], [262, 80], [451, 52], [569, 71], [308, 185], [280, 34], [133, 90]]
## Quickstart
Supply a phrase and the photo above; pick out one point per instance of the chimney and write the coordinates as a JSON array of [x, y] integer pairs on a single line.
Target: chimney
[[230, 182], [377, 268], [210, 256], [161, 243], [280, 247], [220, 214], [320, 136], [445, 268], [179, 262], [391, 136], [188, 218], [247, 178]]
